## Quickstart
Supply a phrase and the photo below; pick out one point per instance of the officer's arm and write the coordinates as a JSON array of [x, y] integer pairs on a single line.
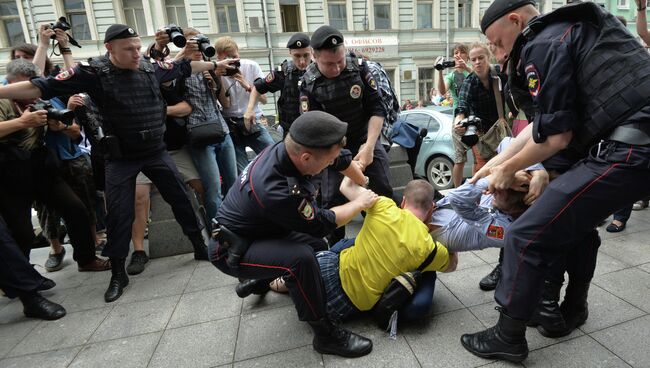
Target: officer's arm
[[465, 201], [179, 110], [20, 91], [360, 199]]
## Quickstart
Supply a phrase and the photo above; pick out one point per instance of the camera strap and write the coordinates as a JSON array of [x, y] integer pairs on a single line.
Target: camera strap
[[496, 88]]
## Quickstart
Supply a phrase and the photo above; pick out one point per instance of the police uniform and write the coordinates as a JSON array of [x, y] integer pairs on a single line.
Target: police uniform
[[273, 206], [577, 56], [285, 78], [352, 97], [131, 109]]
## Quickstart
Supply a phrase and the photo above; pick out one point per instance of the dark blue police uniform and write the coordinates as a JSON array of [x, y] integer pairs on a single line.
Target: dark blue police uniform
[[284, 78]]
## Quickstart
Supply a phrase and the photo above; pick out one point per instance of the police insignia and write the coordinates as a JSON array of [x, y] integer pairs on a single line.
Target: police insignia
[[495, 232], [306, 210], [64, 75], [371, 81], [304, 104], [355, 91], [270, 77], [532, 78], [165, 65]]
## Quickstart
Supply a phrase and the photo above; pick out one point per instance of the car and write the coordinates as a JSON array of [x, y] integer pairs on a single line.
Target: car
[[435, 161]]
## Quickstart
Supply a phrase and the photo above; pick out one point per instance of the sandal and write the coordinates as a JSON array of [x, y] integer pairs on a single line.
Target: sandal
[[613, 228], [278, 286]]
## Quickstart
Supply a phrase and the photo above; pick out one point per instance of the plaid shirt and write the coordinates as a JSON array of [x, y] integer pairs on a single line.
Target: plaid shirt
[[204, 106], [388, 99], [475, 99]]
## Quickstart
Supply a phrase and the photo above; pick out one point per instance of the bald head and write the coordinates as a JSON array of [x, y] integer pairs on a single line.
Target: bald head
[[503, 31]]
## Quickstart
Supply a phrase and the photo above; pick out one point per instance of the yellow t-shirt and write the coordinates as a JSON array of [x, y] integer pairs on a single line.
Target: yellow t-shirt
[[391, 241]]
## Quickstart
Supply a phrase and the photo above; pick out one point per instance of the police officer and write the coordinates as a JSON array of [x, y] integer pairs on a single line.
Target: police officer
[[273, 208], [284, 79], [556, 65], [126, 90], [343, 86]]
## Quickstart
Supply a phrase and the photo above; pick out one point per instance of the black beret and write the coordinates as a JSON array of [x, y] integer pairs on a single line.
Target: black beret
[[317, 129], [298, 41], [499, 8], [118, 31], [326, 37]]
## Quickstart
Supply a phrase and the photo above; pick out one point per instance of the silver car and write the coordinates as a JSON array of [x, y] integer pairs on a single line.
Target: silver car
[[436, 158]]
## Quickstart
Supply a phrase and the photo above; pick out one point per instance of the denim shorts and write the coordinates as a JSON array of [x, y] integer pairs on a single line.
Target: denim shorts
[[339, 306]]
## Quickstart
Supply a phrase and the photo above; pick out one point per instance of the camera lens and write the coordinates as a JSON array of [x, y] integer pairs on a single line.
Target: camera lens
[[207, 49], [178, 39]]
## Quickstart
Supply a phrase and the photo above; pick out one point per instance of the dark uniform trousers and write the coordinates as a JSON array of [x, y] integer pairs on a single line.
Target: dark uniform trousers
[[17, 276], [120, 198], [292, 257], [565, 215]]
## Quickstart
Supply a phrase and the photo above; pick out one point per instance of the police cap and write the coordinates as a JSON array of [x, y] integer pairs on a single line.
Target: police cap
[[499, 8], [298, 41], [317, 129], [118, 31], [326, 37]]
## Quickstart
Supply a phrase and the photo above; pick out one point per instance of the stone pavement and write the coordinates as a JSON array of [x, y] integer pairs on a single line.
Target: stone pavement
[[181, 313]]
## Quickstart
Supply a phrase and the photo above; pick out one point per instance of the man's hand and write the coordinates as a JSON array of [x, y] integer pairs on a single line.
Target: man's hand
[[365, 156], [249, 119], [55, 125], [367, 198], [501, 178], [45, 33], [224, 65], [461, 65], [453, 263], [161, 39], [33, 118], [61, 38], [75, 101], [459, 129], [521, 181], [538, 182]]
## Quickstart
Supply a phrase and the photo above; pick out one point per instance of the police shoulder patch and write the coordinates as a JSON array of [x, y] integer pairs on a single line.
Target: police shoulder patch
[[270, 77], [306, 210], [533, 80], [355, 91], [371, 81], [304, 103], [495, 232], [66, 74], [165, 64]]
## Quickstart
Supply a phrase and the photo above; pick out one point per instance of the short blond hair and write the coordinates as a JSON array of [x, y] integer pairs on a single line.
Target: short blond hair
[[480, 45], [225, 45]]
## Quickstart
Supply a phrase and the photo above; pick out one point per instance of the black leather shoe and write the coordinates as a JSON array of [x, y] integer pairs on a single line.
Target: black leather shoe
[[506, 340], [36, 306], [252, 286], [575, 308], [200, 249], [490, 281], [138, 260], [119, 280], [332, 339], [47, 284], [547, 316]]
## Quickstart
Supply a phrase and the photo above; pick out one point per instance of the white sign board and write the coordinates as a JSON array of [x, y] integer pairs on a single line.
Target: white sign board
[[373, 47]]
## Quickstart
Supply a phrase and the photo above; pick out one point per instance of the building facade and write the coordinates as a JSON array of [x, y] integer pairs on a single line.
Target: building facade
[[405, 36]]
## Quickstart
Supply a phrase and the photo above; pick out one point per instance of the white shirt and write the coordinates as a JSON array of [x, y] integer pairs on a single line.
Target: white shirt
[[238, 95]]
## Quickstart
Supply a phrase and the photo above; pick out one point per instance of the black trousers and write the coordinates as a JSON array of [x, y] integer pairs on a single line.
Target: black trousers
[[292, 257], [120, 198], [566, 215], [35, 179]]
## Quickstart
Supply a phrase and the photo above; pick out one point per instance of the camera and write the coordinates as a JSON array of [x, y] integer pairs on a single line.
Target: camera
[[176, 35], [204, 45], [445, 65], [231, 72], [61, 24], [471, 125], [65, 116]]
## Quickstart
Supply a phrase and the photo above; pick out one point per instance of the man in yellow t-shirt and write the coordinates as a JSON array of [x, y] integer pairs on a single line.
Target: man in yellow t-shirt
[[392, 240]]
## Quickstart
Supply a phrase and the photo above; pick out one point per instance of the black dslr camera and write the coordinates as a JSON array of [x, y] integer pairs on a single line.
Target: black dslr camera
[[176, 35], [231, 72], [61, 24], [471, 125], [65, 116], [445, 65], [204, 45]]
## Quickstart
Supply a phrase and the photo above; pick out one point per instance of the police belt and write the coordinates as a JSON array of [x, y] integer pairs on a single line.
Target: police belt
[[151, 134], [635, 134]]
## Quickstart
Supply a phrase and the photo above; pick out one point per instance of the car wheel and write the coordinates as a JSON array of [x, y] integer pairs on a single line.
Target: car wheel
[[439, 172]]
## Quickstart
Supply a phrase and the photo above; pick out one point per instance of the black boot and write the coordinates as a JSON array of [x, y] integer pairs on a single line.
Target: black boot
[[490, 281], [119, 280], [36, 306], [200, 249], [506, 340], [252, 286], [575, 307], [332, 339], [547, 316]]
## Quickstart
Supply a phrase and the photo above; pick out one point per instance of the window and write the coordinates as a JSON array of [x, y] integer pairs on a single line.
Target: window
[[290, 14], [175, 10], [11, 30], [75, 12], [464, 13], [425, 83], [227, 16], [338, 15], [622, 4], [425, 15], [382, 15], [420, 120], [134, 15]]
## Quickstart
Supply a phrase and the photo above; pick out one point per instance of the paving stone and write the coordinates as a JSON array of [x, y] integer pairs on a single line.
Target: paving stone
[[165, 265], [206, 276], [634, 225], [124, 353], [464, 285], [606, 264], [631, 248], [631, 285], [443, 300], [580, 352], [12, 333], [136, 318], [52, 359], [13, 310], [469, 260], [385, 353], [69, 277], [489, 317], [97, 278], [146, 288], [202, 345], [629, 341], [206, 305], [271, 331], [258, 303], [436, 342], [72, 330], [489, 255], [305, 356], [645, 267], [501, 364], [606, 310], [85, 297]]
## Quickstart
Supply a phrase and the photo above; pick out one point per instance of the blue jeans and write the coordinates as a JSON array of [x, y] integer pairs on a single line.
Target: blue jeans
[[213, 162], [257, 142]]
